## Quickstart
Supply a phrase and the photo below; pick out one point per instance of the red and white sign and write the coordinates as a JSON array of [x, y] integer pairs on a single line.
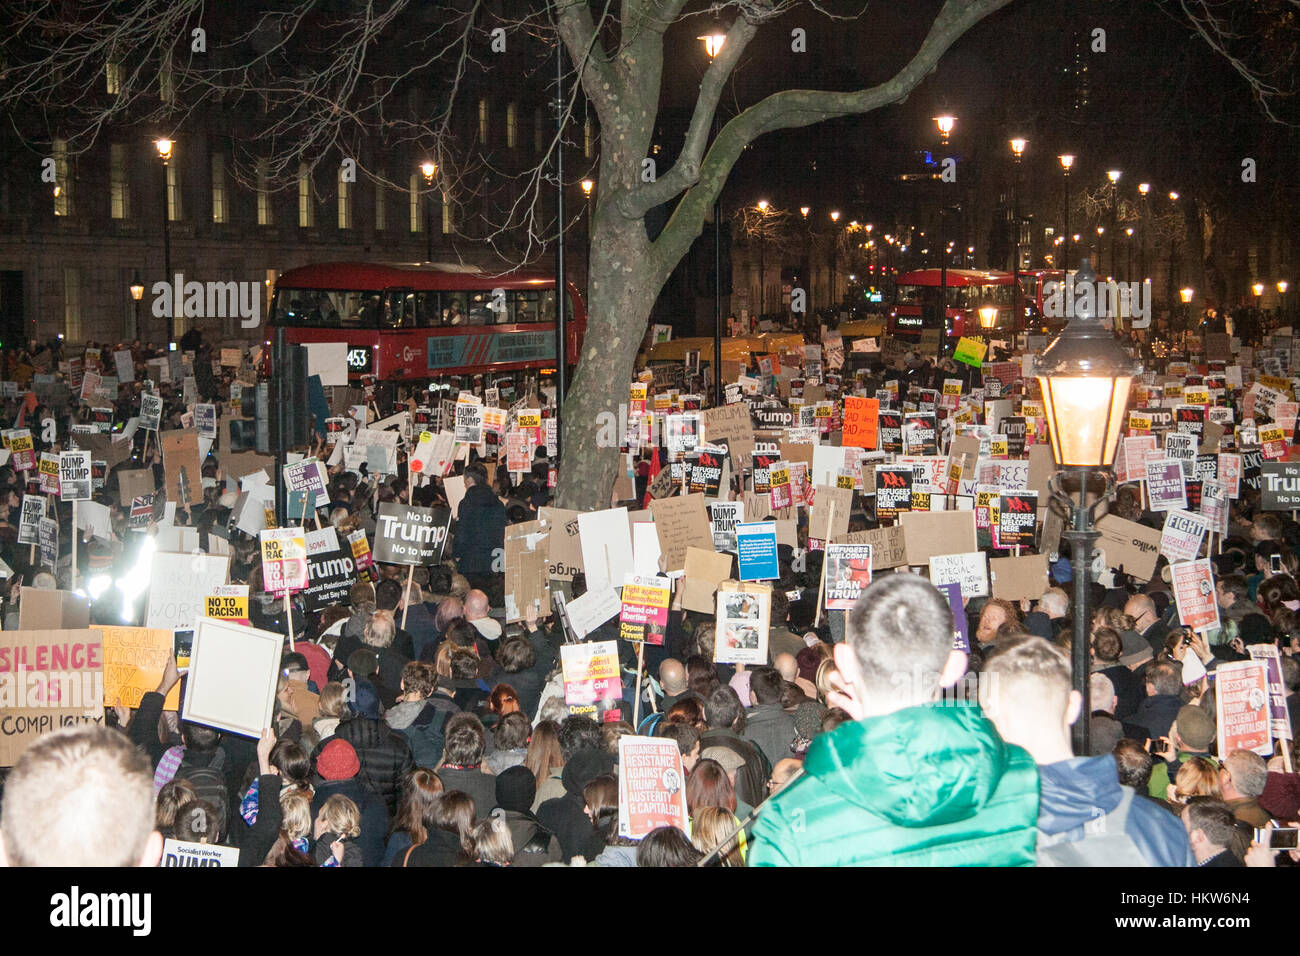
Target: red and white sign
[[1241, 705], [651, 786], [1193, 583]]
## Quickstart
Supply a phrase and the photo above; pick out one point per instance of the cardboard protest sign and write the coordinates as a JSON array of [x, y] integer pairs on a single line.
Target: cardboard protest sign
[[563, 543], [331, 570], [1241, 704], [234, 671], [134, 661], [1165, 484], [182, 465], [525, 573], [680, 522], [1193, 584], [53, 678], [591, 610], [183, 853], [74, 476], [178, 584], [227, 602], [705, 570], [937, 532], [847, 570], [732, 424], [1016, 578], [593, 684], [830, 500], [284, 559], [136, 483], [1279, 486], [1279, 716], [756, 550], [651, 786], [744, 613], [968, 571], [888, 546], [1132, 546], [723, 518], [409, 535], [1182, 535], [606, 539], [644, 612]]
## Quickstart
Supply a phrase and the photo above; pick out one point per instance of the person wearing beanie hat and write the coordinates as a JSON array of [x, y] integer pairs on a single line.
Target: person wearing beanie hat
[[1190, 736], [337, 772], [534, 844]]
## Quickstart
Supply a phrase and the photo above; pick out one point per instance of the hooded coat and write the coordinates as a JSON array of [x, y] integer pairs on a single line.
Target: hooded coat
[[566, 816], [931, 785], [1082, 790]]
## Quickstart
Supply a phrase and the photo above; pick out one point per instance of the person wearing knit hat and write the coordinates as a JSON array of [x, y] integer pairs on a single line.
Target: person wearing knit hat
[[534, 844], [1190, 736], [337, 769]]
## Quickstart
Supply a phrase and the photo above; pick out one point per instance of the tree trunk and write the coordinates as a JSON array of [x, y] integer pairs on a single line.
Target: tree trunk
[[625, 281]]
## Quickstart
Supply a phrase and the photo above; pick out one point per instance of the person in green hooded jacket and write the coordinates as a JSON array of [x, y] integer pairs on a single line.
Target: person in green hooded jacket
[[911, 780]]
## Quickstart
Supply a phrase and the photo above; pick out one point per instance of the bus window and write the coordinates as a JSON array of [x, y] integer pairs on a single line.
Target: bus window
[[455, 308], [411, 310], [320, 309], [527, 306]]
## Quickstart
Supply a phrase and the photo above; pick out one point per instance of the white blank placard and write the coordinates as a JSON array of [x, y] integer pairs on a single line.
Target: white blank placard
[[233, 675]]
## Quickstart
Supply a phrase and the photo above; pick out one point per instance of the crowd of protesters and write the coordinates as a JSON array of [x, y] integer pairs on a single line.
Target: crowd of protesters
[[443, 738]]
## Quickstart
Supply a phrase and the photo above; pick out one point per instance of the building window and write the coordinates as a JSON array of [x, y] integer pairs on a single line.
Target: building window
[[174, 211], [118, 188], [306, 212], [62, 181], [448, 216], [345, 202], [112, 78], [381, 200], [539, 131], [483, 116], [71, 304], [417, 222], [218, 187], [512, 126], [263, 194], [586, 139]]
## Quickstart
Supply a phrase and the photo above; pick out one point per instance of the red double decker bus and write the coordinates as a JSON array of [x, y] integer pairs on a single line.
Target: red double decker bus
[[412, 322], [916, 304]]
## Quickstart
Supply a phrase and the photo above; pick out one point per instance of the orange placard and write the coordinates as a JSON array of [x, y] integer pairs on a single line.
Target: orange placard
[[861, 422]]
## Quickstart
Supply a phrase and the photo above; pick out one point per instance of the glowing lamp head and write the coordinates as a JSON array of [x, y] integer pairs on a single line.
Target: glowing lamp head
[[835, 215], [1144, 188], [427, 169], [945, 124], [1085, 377], [1018, 146], [763, 205], [137, 290], [713, 42], [587, 186], [1113, 175], [988, 316], [804, 210], [1281, 285], [164, 147], [1186, 295], [1067, 160], [1257, 288]]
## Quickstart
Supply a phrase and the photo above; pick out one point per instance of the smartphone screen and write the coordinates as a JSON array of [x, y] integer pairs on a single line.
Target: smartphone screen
[[1284, 839]]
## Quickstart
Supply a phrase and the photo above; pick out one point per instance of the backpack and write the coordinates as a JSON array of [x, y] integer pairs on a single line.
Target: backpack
[[209, 782], [426, 737], [1102, 841], [648, 724]]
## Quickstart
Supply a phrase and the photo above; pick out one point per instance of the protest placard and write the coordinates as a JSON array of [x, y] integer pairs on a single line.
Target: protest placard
[[234, 671], [743, 615], [723, 518], [1165, 484], [150, 411], [893, 491], [1193, 584], [525, 570], [1181, 538], [1279, 716], [61, 684], [178, 584], [938, 532], [680, 522], [409, 535], [756, 550], [284, 559], [227, 602], [134, 661], [830, 501], [591, 610], [593, 684], [1018, 578], [331, 570], [643, 615], [1279, 486], [606, 540], [861, 422], [182, 466], [29, 521], [704, 571], [1241, 705], [888, 546], [1130, 545], [651, 786], [74, 476], [847, 570], [732, 424], [184, 853], [563, 543], [968, 571]]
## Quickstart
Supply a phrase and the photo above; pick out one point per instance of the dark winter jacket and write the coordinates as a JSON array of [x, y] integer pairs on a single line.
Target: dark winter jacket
[[423, 724], [384, 754], [442, 848], [1082, 790], [1128, 690], [770, 729], [480, 531], [1153, 717], [374, 818], [533, 843], [751, 779], [932, 785], [482, 787], [566, 816]]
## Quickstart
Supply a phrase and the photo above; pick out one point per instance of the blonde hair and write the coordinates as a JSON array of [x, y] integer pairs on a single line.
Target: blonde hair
[[492, 842], [333, 700], [295, 808], [380, 630], [711, 826], [341, 816], [822, 680], [442, 660], [1197, 778]]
